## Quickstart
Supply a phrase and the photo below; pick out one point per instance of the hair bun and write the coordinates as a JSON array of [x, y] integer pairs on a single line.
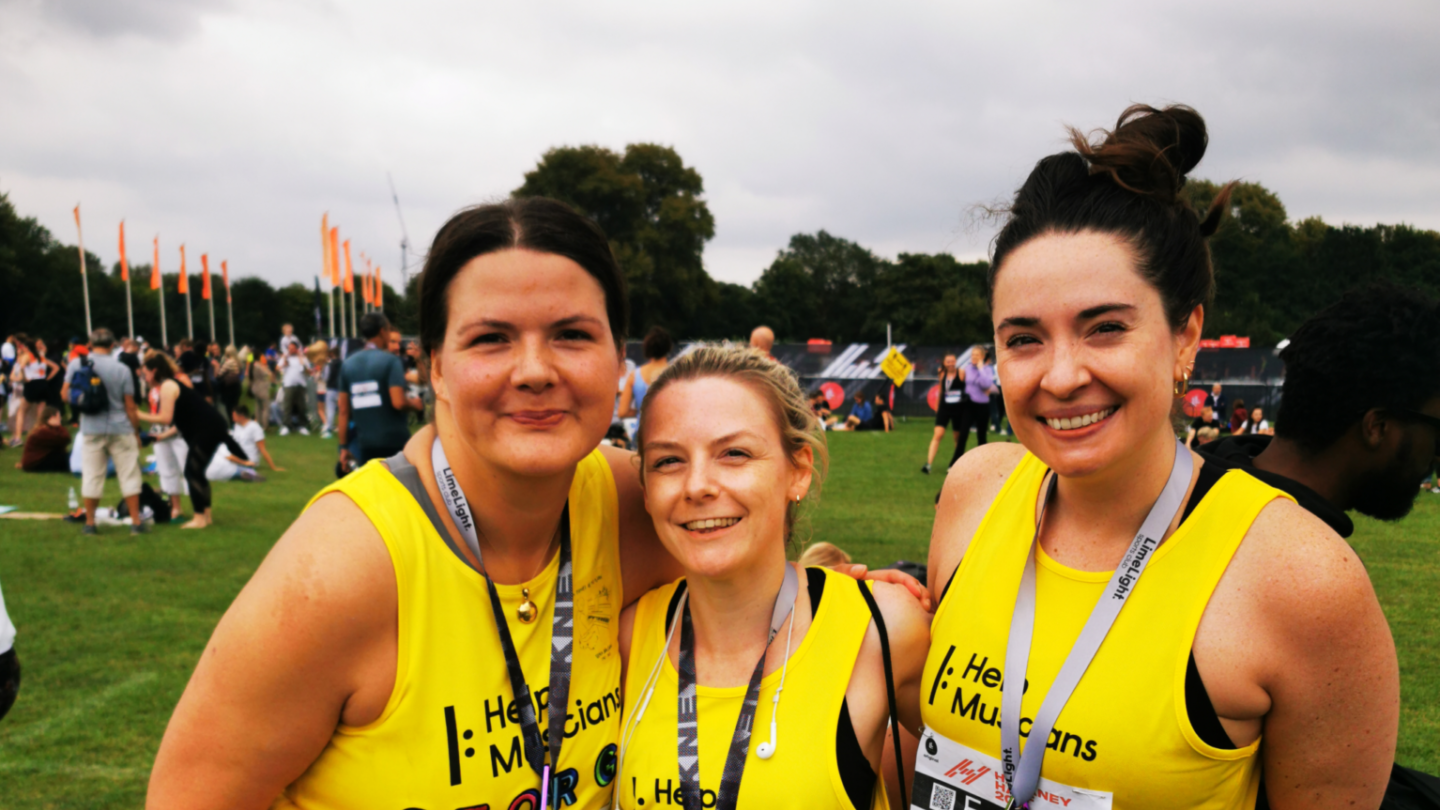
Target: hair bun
[[1150, 151]]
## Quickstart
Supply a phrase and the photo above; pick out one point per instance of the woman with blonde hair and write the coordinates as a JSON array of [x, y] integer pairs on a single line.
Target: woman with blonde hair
[[229, 382], [729, 448]]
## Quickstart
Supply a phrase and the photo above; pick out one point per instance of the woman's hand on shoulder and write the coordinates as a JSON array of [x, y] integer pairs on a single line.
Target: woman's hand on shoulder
[[1328, 663], [310, 642], [970, 488], [918, 592]]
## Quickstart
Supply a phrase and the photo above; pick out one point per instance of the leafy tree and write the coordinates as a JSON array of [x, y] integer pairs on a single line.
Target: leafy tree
[[818, 287], [650, 205]]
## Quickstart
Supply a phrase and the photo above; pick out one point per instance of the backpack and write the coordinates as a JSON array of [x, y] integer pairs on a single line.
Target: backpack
[[87, 390]]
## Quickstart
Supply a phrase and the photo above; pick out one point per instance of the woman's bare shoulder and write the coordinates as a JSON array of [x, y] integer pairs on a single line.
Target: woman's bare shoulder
[[970, 488]]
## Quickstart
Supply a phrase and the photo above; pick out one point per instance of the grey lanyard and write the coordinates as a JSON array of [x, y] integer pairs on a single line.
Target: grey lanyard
[[1022, 774], [689, 708], [562, 630]]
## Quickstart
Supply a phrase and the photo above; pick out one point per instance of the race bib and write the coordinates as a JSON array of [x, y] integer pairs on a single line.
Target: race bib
[[951, 776], [365, 395], [952, 397]]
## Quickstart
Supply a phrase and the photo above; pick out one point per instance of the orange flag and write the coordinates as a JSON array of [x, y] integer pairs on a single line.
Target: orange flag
[[349, 270], [335, 257], [365, 289], [225, 273], [205, 276], [155, 267], [184, 288], [379, 290], [325, 245], [124, 263]]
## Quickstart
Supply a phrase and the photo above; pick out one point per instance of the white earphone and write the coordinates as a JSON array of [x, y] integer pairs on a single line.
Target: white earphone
[[766, 749]]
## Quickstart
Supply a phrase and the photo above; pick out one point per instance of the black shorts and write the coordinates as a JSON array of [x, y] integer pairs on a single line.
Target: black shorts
[[949, 414], [37, 391]]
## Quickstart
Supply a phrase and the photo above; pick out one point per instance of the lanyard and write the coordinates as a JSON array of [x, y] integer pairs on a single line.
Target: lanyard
[[562, 630], [689, 707], [1022, 773]]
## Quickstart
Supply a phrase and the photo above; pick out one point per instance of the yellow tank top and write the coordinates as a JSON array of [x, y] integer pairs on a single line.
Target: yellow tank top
[[449, 737], [803, 772], [1125, 730]]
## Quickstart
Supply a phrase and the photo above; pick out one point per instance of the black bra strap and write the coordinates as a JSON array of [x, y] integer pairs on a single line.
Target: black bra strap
[[889, 686], [409, 477]]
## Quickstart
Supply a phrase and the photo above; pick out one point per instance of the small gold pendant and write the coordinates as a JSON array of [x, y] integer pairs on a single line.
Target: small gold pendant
[[527, 611]]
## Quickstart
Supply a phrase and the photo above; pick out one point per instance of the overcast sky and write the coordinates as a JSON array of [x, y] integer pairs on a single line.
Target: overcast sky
[[232, 125]]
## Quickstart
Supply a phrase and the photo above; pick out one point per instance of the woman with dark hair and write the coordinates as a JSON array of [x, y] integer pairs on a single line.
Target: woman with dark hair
[[1241, 636], [200, 425], [657, 347], [36, 371], [948, 409]]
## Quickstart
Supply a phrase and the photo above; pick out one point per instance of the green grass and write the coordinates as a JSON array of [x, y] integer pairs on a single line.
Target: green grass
[[110, 628]]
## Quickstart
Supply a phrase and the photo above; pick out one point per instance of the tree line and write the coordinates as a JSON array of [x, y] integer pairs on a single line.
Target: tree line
[[1271, 274]]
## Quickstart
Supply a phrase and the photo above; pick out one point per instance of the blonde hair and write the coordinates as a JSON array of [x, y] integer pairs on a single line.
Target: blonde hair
[[823, 554], [317, 351], [776, 385]]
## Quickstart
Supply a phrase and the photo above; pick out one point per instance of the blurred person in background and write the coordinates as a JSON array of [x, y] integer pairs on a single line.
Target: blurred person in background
[[288, 339], [1359, 420], [979, 377], [1238, 415], [657, 347], [34, 371], [372, 398], [318, 353], [250, 436], [262, 381], [9, 663], [111, 434], [47, 448], [293, 369], [229, 381], [168, 445], [1255, 424], [202, 427], [948, 409], [762, 338]]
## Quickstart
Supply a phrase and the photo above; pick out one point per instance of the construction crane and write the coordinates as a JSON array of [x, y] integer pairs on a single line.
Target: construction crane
[[404, 239]]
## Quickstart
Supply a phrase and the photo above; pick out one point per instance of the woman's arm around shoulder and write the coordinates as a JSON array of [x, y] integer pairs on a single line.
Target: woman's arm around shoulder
[[309, 643], [970, 487], [1327, 663]]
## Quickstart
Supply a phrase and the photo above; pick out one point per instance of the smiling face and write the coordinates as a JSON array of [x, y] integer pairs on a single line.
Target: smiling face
[[977, 356], [525, 377], [949, 363], [1256, 415], [717, 478], [1087, 359]]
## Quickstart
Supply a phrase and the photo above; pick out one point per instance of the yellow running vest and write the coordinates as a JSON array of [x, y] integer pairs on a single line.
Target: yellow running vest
[[1125, 730], [449, 736], [803, 772]]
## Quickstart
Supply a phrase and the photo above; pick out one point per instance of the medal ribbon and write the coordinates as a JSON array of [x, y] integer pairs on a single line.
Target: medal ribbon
[[561, 634], [1022, 773], [688, 735]]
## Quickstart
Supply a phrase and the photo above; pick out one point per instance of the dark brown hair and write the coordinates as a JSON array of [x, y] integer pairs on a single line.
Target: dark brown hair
[[532, 223], [657, 343], [1128, 182]]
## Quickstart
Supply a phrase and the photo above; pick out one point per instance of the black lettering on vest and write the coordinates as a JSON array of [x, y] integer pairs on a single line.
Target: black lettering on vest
[[941, 673], [1054, 742], [1025, 724], [498, 713], [991, 678], [993, 719], [595, 712], [452, 745], [1090, 754], [1066, 741], [968, 709], [975, 668], [663, 794], [513, 711], [499, 760], [542, 700]]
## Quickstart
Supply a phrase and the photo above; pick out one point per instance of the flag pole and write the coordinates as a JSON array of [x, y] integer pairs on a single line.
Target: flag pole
[[209, 299], [325, 262], [160, 291], [125, 277], [84, 280], [189, 316], [229, 303]]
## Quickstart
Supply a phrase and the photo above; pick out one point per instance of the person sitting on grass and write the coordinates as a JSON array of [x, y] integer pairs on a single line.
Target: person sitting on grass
[[47, 449], [860, 413], [226, 466]]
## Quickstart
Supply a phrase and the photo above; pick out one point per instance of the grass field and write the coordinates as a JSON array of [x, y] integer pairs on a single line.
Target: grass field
[[110, 628]]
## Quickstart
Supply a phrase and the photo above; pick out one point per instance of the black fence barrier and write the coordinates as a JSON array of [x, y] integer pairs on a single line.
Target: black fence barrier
[[1252, 375]]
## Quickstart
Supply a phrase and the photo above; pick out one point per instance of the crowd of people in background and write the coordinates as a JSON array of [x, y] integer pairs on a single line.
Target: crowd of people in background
[[106, 402]]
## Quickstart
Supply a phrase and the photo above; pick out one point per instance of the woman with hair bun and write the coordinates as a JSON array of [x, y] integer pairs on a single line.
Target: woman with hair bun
[[1122, 623]]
